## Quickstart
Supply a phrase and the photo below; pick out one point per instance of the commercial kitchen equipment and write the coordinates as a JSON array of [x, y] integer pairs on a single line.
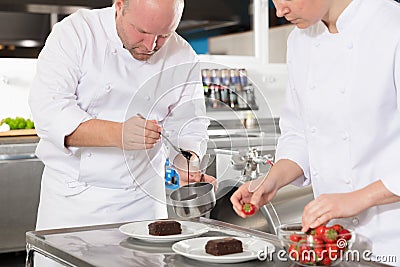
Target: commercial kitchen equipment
[[286, 207], [230, 138], [193, 200], [233, 134], [20, 176], [105, 245]]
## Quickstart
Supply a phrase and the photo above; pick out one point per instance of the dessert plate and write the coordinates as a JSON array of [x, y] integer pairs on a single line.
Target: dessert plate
[[140, 231], [195, 248]]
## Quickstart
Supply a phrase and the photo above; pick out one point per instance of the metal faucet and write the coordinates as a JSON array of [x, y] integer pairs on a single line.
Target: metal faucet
[[249, 164]]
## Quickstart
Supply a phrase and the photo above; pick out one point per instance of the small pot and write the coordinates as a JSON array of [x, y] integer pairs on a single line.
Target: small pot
[[193, 200]]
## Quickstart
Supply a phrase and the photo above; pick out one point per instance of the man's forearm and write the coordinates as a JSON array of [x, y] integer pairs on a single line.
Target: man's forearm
[[96, 132]]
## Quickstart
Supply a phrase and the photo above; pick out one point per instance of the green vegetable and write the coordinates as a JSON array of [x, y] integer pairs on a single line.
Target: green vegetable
[[18, 123]]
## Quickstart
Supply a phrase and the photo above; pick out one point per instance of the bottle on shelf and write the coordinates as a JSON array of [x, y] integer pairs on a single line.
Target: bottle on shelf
[[236, 85], [247, 88], [224, 86], [206, 79], [228, 88], [215, 89], [229, 98]]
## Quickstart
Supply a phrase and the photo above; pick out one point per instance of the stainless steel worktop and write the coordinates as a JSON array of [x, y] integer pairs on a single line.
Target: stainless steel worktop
[[104, 245], [233, 135], [20, 176]]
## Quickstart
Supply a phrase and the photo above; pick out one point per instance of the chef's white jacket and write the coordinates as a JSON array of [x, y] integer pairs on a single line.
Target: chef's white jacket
[[341, 121], [84, 72]]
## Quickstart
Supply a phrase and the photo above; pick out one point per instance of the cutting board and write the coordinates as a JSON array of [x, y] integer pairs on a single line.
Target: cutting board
[[23, 132]]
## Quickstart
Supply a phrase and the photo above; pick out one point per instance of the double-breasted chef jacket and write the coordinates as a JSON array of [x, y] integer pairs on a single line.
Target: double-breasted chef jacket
[[341, 121], [84, 72]]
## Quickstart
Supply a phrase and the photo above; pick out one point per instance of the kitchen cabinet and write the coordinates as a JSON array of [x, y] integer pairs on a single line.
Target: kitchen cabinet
[[20, 177]]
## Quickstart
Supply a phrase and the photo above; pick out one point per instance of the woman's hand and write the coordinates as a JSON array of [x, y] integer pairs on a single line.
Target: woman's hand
[[257, 192], [331, 206]]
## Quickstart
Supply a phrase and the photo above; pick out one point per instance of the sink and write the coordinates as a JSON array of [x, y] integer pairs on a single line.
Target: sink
[[223, 211], [286, 207]]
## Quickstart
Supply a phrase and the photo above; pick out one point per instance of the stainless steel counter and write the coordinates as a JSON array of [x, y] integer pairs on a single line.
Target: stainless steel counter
[[104, 245], [232, 135], [20, 176]]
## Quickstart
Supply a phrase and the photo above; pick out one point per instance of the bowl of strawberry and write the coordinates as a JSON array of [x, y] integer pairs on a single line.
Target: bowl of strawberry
[[322, 246]]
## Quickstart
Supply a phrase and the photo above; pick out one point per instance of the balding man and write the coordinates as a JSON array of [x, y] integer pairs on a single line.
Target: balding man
[[97, 71]]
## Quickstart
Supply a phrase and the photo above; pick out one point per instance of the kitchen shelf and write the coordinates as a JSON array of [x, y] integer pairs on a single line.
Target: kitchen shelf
[[226, 108]]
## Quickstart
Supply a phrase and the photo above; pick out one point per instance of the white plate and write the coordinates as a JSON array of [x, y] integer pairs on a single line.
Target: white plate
[[195, 249], [140, 231]]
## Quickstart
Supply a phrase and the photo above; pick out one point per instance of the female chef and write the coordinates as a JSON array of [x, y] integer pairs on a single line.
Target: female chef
[[341, 121]]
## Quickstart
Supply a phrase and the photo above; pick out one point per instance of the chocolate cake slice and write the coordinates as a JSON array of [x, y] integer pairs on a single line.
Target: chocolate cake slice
[[224, 246], [165, 228]]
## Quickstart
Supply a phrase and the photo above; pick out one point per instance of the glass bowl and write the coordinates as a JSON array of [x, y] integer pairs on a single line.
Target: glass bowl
[[313, 249]]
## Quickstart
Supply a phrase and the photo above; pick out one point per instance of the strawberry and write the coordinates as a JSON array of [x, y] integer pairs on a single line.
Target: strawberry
[[248, 209], [295, 237], [316, 242], [319, 252], [320, 230], [326, 261], [333, 251], [337, 227], [308, 258], [344, 233], [311, 232], [293, 252], [304, 246], [330, 235]]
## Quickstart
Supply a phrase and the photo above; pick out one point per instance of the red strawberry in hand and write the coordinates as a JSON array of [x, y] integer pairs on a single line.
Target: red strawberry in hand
[[248, 209]]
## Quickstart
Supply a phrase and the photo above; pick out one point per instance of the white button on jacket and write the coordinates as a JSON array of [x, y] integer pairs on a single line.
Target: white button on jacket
[[364, 58]]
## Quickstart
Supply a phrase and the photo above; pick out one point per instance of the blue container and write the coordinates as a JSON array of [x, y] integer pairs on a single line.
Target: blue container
[[171, 177]]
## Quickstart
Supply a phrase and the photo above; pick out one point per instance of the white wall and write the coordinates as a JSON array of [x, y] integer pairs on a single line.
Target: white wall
[[237, 51], [270, 80], [16, 75], [242, 44]]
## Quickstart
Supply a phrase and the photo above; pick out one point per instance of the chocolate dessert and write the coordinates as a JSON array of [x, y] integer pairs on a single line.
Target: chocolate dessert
[[165, 228], [224, 246]]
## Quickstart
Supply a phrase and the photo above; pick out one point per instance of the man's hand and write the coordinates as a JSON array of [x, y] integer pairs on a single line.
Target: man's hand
[[138, 133], [195, 177], [181, 166]]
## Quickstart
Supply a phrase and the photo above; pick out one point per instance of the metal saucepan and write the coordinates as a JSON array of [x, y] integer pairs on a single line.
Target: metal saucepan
[[203, 202]]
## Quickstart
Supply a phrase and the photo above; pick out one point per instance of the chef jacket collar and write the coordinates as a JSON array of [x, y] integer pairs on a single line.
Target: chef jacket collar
[[349, 15], [110, 25]]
